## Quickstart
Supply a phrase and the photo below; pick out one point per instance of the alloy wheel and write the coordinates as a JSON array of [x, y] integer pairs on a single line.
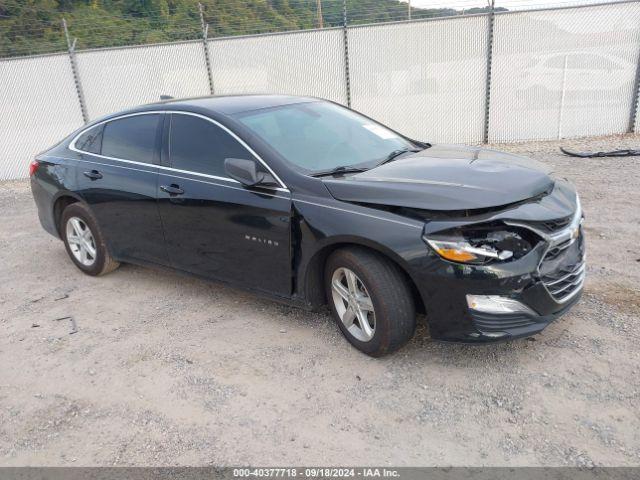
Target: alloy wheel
[[353, 304], [81, 241]]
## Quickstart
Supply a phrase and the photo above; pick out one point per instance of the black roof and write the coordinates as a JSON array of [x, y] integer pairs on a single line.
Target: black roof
[[214, 106], [229, 105]]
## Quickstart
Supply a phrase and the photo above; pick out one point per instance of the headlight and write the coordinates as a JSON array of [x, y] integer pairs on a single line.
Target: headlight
[[479, 245], [461, 251]]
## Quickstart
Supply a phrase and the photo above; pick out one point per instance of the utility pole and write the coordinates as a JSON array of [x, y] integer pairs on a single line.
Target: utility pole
[[408, 9], [74, 71], [319, 11]]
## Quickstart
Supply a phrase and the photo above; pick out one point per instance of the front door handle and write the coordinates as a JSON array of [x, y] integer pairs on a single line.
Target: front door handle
[[172, 189], [93, 175]]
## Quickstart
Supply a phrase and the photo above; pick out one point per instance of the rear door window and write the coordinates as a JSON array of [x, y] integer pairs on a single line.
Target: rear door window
[[197, 145], [132, 138]]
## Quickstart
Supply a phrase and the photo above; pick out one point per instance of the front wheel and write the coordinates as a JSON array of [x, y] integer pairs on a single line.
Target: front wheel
[[84, 241], [370, 300]]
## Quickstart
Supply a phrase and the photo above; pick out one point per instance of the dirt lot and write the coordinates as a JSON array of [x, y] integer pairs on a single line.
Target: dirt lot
[[169, 370]]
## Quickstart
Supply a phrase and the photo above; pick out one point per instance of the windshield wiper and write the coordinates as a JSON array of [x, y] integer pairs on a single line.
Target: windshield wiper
[[340, 169], [396, 153], [388, 158]]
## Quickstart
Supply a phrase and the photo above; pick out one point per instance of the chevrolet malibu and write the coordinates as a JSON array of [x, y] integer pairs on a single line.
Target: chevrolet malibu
[[312, 204]]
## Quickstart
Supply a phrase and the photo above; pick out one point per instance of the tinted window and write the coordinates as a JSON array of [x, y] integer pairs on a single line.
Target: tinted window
[[91, 140], [131, 138], [198, 145]]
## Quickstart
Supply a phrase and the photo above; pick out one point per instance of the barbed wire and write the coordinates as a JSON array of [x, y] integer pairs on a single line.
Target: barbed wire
[[184, 24], [327, 17], [456, 4], [311, 4], [248, 3], [191, 24]]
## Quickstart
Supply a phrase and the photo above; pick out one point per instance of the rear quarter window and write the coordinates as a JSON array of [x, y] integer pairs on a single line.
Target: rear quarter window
[[91, 140]]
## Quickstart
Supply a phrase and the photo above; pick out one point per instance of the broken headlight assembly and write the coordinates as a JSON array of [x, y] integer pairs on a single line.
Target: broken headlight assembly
[[482, 245]]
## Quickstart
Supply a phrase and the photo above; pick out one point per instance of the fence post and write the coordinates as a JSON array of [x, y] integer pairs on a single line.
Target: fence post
[[487, 95], [346, 51], [563, 94], [71, 46], [319, 13], [205, 35], [634, 99]]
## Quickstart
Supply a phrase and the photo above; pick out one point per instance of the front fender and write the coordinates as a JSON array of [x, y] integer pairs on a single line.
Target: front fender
[[321, 226]]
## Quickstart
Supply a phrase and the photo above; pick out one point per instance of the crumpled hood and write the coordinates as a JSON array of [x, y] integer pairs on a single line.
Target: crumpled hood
[[446, 177]]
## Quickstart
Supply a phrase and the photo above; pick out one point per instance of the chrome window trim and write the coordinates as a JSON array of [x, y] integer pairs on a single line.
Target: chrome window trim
[[261, 193], [72, 147], [420, 227], [282, 187], [85, 130], [240, 188], [153, 170]]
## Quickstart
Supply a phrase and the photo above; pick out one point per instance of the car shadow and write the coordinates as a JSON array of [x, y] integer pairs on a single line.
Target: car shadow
[[421, 346]]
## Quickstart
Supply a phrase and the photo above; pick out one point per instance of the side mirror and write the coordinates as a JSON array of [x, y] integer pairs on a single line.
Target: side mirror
[[247, 173]]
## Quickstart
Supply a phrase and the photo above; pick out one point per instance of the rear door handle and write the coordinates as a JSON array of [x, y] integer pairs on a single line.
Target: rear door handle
[[172, 189], [93, 175]]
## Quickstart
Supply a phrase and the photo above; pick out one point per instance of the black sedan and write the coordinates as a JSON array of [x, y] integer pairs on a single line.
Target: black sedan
[[314, 204]]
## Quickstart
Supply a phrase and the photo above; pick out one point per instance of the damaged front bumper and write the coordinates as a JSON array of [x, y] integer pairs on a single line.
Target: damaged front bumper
[[505, 300]]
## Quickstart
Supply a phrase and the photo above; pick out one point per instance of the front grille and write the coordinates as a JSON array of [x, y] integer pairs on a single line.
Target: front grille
[[563, 269], [499, 323], [564, 284], [552, 226]]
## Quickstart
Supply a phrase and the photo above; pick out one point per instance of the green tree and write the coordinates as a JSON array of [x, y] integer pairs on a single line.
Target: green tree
[[34, 26]]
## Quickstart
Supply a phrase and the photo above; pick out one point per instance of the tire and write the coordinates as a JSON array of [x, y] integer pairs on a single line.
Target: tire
[[390, 296], [77, 217]]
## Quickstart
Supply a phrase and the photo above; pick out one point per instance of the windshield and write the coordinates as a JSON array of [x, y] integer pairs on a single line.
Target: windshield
[[320, 136]]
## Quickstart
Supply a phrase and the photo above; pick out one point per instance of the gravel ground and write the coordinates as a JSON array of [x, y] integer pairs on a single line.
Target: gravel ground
[[169, 370]]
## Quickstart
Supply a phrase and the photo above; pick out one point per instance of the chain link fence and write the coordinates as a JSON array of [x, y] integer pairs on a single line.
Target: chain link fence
[[115, 79], [533, 75], [426, 79], [38, 107], [564, 73], [309, 62]]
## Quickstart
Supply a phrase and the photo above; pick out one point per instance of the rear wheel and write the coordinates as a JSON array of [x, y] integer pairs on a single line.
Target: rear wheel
[[370, 300], [84, 241]]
